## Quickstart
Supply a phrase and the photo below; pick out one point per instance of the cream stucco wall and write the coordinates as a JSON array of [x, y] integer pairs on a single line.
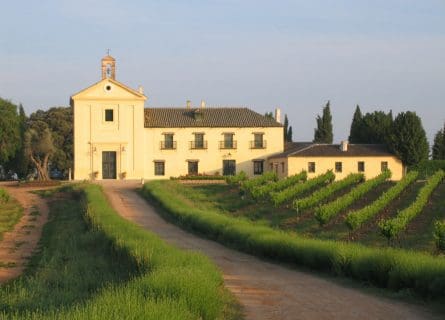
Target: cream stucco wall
[[209, 160], [291, 165], [137, 147], [93, 135]]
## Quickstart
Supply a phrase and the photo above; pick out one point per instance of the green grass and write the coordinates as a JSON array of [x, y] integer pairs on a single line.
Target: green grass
[[10, 212], [384, 267], [96, 265]]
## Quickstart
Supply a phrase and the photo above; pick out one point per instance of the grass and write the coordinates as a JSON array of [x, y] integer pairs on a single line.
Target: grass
[[383, 267], [10, 213], [93, 264]]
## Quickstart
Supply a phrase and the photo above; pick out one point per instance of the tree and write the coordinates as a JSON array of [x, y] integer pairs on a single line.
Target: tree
[[356, 126], [269, 115], [323, 132], [438, 151], [287, 130], [9, 131], [408, 139], [289, 134], [60, 122], [20, 162], [39, 147]]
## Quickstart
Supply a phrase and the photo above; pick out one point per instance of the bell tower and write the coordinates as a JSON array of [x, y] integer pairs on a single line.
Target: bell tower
[[108, 67]]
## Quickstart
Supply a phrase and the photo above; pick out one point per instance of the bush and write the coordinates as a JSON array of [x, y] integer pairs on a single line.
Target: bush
[[278, 198], [392, 227], [318, 196], [265, 190], [427, 168], [250, 184], [4, 196], [326, 212], [199, 177], [357, 218], [439, 235], [236, 179], [384, 267]]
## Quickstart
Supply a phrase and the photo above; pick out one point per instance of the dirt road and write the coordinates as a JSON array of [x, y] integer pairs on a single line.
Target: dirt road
[[266, 290], [19, 244]]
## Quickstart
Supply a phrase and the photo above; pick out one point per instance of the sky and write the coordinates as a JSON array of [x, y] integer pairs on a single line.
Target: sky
[[296, 55]]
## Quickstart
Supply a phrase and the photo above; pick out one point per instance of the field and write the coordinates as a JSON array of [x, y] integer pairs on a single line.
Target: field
[[10, 212], [232, 201], [231, 215], [95, 265]]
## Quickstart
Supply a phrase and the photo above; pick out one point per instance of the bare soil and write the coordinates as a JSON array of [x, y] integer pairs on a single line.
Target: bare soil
[[19, 244], [266, 290]]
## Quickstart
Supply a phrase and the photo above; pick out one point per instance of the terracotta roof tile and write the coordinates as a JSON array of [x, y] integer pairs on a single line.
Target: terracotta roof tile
[[305, 149], [206, 117]]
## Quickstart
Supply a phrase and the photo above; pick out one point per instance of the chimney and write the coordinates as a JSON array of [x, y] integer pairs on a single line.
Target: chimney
[[344, 145], [278, 115], [188, 104], [141, 90], [203, 104]]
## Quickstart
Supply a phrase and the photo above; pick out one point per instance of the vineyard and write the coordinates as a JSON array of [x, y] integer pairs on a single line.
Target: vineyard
[[378, 212]]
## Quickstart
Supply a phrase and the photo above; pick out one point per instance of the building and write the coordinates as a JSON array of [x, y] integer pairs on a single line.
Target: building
[[342, 159], [115, 137]]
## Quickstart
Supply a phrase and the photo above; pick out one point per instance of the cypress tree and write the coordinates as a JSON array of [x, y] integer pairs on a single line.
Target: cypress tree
[[323, 132], [356, 126], [286, 128], [438, 150], [408, 138], [289, 134]]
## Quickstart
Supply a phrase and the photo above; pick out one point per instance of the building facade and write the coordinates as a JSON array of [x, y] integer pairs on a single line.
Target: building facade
[[115, 137], [342, 159]]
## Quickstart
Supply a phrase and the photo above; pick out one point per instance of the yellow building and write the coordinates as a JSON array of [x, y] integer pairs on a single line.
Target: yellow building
[[342, 159], [115, 137]]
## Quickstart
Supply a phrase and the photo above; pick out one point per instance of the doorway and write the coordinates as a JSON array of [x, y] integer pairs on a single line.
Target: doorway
[[109, 165]]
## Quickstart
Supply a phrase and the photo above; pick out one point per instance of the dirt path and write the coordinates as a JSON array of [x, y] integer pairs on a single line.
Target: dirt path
[[19, 244], [266, 290]]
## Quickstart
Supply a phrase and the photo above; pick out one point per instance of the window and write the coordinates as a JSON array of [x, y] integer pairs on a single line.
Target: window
[[168, 142], [258, 141], [193, 167], [109, 115], [228, 142], [199, 142], [229, 167], [384, 165], [311, 167], [159, 168], [338, 167], [361, 166], [258, 166], [282, 167]]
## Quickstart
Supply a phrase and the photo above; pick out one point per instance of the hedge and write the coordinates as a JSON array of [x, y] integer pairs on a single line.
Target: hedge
[[278, 198], [266, 190], [392, 227], [329, 210], [357, 218], [318, 196]]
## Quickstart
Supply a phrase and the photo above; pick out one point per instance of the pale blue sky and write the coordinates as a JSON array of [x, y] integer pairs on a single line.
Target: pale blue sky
[[260, 54]]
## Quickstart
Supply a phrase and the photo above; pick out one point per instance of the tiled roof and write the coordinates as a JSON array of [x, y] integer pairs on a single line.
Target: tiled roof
[[205, 117], [305, 149]]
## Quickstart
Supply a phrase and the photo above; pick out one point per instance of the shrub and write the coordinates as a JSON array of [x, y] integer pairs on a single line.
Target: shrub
[[384, 267], [427, 168], [357, 218], [439, 235], [4, 196], [318, 196], [265, 190], [326, 212], [269, 176], [392, 227], [236, 179], [290, 193]]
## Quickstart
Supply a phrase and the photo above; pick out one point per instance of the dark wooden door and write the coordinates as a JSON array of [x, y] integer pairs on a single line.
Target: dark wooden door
[[109, 165], [229, 167]]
